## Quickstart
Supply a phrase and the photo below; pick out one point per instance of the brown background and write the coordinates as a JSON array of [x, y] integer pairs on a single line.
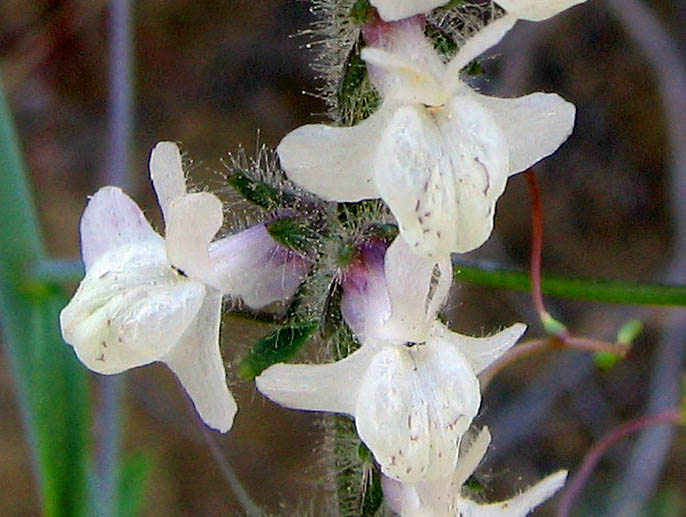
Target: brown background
[[209, 74]]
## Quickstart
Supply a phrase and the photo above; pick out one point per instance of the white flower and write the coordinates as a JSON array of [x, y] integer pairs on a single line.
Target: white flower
[[437, 152], [443, 497], [412, 386], [535, 10], [391, 10], [145, 298]]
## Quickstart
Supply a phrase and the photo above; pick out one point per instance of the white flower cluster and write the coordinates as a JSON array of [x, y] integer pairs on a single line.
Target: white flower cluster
[[438, 154]]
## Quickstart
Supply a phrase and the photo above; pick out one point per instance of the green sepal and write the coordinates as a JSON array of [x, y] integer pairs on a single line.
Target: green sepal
[[372, 497], [361, 12], [385, 231], [372, 500], [332, 319], [357, 98], [345, 254], [473, 485], [277, 347], [354, 73], [291, 232], [442, 42], [475, 67], [256, 192], [452, 3]]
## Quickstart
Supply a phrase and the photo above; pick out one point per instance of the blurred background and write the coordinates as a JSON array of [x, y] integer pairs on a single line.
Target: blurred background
[[210, 74]]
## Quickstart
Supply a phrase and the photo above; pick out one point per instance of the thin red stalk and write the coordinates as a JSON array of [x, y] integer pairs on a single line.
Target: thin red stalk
[[533, 346], [536, 241], [522, 350], [577, 482], [595, 345]]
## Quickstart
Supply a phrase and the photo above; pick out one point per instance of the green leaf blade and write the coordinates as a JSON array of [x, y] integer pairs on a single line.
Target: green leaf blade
[[277, 347]]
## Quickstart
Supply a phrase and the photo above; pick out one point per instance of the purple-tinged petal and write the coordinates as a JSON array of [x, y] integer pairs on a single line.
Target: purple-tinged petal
[[365, 304], [111, 220], [401, 497], [251, 264]]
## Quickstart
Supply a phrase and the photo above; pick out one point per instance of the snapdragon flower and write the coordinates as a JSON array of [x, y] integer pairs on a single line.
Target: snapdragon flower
[[147, 299], [444, 498], [436, 151], [412, 386], [535, 10]]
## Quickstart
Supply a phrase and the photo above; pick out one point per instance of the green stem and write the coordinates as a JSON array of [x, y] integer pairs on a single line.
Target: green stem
[[51, 384], [21, 243], [61, 271], [605, 291]]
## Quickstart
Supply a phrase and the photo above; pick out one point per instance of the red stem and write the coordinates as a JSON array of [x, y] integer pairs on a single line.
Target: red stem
[[577, 483], [536, 241]]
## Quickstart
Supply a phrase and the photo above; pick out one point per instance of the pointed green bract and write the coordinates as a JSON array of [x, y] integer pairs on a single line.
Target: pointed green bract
[[277, 347], [357, 97], [361, 12], [256, 192], [292, 233], [372, 497]]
